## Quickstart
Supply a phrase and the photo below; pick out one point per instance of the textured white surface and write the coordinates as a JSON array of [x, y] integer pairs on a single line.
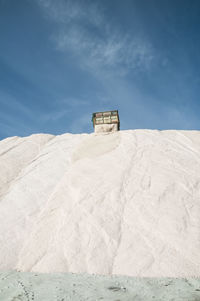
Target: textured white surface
[[106, 128], [121, 203]]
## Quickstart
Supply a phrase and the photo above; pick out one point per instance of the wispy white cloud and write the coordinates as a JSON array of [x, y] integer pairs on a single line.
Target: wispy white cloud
[[81, 124], [11, 121], [102, 48], [73, 102], [99, 45], [59, 113], [66, 11], [11, 102], [54, 115]]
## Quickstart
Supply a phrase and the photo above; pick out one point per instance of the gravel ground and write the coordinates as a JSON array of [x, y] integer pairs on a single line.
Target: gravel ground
[[16, 286]]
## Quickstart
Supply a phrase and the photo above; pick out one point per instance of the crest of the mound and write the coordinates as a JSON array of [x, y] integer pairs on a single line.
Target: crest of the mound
[[126, 202]]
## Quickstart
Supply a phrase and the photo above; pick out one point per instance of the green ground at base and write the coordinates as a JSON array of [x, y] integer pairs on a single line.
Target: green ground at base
[[17, 286]]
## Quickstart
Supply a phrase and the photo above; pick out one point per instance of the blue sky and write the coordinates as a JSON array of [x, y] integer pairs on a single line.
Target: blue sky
[[62, 60]]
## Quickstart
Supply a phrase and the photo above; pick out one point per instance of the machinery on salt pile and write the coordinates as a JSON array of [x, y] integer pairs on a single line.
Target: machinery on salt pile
[[106, 121]]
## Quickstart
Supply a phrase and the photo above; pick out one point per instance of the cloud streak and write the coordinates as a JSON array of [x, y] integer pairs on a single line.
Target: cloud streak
[[84, 30]]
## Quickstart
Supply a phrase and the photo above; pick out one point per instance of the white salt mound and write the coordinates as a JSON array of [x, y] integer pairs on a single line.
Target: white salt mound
[[120, 203]]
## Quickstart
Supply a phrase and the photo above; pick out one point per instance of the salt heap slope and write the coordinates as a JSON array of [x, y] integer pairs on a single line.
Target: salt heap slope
[[119, 203]]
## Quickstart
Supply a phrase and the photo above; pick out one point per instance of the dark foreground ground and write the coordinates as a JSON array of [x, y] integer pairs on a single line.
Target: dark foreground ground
[[16, 286]]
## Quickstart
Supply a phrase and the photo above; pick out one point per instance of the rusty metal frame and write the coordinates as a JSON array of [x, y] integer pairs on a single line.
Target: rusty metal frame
[[105, 114]]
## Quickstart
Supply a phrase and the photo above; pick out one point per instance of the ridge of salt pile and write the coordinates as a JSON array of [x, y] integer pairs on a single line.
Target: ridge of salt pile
[[121, 203]]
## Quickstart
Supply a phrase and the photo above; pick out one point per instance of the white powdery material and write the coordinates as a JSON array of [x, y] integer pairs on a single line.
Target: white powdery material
[[125, 202], [106, 128]]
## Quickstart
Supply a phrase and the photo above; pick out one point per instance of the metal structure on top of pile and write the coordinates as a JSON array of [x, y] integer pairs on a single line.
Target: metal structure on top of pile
[[106, 121]]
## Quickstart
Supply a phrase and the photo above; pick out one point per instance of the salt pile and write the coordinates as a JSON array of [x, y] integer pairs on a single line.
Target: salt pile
[[119, 203]]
